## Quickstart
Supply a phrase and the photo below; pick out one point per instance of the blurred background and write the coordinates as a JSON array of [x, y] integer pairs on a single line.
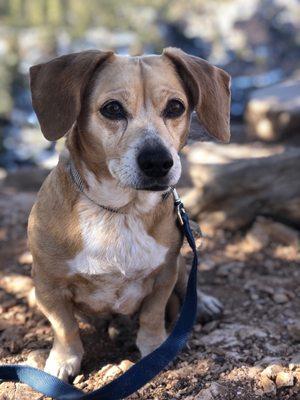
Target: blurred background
[[257, 42], [245, 194]]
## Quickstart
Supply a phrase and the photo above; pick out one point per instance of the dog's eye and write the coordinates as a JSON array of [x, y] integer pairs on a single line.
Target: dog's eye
[[113, 110], [174, 109]]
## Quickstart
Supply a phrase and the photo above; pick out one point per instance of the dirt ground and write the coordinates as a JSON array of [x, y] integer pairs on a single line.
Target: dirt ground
[[252, 352]]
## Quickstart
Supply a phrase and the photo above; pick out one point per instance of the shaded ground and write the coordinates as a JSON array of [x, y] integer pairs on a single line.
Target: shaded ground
[[253, 352]]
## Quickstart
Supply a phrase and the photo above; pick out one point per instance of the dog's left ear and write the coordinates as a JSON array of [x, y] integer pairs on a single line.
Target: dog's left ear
[[209, 89], [57, 88]]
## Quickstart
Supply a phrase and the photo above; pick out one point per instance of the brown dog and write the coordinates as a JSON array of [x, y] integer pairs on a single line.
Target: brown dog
[[102, 237]]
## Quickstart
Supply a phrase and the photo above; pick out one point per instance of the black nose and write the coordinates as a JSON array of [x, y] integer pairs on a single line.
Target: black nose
[[155, 162]]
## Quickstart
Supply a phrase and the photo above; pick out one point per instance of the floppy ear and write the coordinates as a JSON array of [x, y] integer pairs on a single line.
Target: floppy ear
[[57, 87], [209, 88]]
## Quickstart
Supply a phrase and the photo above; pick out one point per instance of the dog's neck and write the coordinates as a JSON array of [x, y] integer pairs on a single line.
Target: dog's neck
[[107, 192], [110, 194]]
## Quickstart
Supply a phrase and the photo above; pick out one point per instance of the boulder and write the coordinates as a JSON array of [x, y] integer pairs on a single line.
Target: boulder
[[233, 184], [273, 113]]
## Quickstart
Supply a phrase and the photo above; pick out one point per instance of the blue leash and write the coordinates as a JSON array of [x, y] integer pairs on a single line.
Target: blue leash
[[140, 373]]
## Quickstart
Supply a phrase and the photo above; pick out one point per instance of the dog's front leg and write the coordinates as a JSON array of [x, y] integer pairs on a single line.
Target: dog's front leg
[[66, 354], [152, 330]]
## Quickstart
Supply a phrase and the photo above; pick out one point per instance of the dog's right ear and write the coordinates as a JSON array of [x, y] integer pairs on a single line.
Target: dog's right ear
[[57, 87]]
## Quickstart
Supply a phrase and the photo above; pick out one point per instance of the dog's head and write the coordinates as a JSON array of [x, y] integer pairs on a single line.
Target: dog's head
[[128, 117]]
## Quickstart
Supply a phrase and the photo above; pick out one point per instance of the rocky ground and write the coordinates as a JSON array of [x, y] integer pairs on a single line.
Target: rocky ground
[[252, 352]]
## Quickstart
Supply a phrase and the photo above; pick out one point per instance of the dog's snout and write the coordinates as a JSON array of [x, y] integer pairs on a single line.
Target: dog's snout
[[155, 162]]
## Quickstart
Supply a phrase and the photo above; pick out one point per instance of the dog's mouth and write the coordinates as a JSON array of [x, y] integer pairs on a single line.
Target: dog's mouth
[[153, 188], [153, 185]]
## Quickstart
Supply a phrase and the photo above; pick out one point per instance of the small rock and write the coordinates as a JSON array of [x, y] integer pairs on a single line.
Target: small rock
[[280, 298], [113, 331], [112, 372], [196, 229], [3, 353], [230, 268], [12, 339], [5, 305], [283, 234], [78, 379], [295, 362], [37, 358], [207, 264], [220, 337], [249, 331], [25, 258], [125, 365], [3, 325], [18, 285], [195, 342], [210, 326], [267, 385], [269, 361], [267, 289], [3, 234], [213, 392], [31, 298], [198, 328], [259, 392], [254, 296], [82, 385], [3, 174], [256, 238], [204, 394], [217, 389], [281, 348], [266, 230], [272, 370], [254, 372], [284, 379], [294, 331], [273, 112], [104, 369], [25, 393], [297, 377]]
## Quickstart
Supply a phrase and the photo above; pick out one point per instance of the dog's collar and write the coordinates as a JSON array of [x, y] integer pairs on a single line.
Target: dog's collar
[[77, 180]]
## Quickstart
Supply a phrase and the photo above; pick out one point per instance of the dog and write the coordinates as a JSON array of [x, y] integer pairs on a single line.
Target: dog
[[103, 232]]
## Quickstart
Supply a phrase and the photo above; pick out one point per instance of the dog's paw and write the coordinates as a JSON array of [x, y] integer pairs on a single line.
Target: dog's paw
[[209, 308], [147, 343], [64, 366]]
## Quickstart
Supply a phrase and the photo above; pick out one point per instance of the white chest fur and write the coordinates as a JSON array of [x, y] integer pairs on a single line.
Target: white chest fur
[[118, 245], [115, 243]]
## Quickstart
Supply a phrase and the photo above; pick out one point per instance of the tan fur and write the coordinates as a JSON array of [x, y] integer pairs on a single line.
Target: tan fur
[[73, 88]]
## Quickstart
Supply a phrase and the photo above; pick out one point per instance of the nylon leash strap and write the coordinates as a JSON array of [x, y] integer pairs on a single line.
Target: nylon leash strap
[[140, 373]]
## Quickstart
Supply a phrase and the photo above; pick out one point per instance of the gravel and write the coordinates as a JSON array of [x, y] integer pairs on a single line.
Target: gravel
[[252, 352]]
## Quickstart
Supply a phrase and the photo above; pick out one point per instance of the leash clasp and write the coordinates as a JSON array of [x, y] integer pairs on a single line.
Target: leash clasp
[[179, 211], [179, 206]]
